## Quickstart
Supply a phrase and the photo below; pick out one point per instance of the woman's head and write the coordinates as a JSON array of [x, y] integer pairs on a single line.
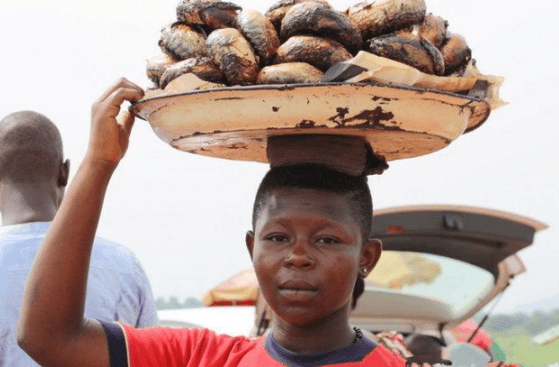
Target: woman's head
[[310, 241]]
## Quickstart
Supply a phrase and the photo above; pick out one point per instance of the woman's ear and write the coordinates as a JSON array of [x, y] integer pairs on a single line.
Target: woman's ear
[[249, 241], [370, 254]]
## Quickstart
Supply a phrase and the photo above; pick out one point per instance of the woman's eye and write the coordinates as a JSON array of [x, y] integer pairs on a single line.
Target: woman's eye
[[277, 238], [328, 240]]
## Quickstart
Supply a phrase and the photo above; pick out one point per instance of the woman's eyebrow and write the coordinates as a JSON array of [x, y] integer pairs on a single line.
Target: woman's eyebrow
[[275, 221]]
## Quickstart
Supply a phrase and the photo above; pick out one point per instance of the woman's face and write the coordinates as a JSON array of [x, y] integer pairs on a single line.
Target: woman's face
[[307, 250]]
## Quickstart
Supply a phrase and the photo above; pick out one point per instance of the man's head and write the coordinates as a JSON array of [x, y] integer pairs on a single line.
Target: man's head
[[310, 241], [31, 163], [30, 148]]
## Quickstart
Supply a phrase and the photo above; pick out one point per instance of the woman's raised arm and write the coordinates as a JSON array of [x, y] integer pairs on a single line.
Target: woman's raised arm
[[52, 327]]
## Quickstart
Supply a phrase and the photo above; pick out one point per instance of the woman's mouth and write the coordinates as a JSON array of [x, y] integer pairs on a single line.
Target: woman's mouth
[[298, 295], [298, 290]]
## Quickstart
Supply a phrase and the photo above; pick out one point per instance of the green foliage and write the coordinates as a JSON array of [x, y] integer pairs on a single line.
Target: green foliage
[[173, 302], [519, 348], [514, 335], [530, 324]]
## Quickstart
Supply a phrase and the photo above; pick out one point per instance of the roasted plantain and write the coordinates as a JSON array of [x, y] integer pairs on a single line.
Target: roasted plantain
[[456, 54], [203, 67], [374, 18], [289, 73], [156, 66], [260, 33], [417, 52], [434, 29], [234, 55], [277, 11], [314, 18], [181, 41], [317, 51], [210, 14]]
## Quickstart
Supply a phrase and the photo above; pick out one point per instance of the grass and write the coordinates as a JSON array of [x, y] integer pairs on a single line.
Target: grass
[[520, 348]]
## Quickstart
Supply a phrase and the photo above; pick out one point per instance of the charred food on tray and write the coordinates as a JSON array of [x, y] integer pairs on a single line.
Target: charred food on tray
[[218, 41]]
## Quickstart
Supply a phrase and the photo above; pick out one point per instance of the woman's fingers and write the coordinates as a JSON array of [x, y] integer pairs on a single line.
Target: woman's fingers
[[111, 124], [121, 83], [112, 103]]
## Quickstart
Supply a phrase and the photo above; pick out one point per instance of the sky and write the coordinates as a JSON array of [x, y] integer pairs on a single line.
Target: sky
[[185, 216]]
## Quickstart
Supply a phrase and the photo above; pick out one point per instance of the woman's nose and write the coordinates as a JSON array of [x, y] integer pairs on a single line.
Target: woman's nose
[[299, 256]]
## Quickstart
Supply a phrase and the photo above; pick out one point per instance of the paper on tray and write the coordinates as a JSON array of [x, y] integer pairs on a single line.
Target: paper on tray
[[386, 71]]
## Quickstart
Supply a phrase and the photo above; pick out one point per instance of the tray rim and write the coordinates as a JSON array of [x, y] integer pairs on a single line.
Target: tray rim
[[136, 108], [237, 137]]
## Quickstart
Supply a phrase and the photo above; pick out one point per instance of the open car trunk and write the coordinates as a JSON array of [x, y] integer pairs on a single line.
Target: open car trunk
[[462, 240]]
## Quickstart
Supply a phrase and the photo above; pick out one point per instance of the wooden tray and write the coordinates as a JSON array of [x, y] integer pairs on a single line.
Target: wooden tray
[[235, 122]]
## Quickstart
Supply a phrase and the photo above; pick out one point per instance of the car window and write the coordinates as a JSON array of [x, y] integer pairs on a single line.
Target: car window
[[458, 284]]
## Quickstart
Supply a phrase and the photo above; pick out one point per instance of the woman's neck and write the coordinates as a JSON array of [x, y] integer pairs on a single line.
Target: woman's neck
[[322, 336]]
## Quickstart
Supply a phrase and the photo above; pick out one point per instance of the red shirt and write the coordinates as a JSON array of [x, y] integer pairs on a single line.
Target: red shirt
[[159, 346]]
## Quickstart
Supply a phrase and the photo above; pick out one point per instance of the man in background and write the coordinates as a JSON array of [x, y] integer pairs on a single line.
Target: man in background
[[33, 177]]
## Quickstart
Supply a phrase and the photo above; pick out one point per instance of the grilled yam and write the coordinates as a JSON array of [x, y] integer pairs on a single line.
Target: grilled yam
[[260, 33], [289, 73], [374, 18], [416, 52], [234, 55], [314, 18], [319, 52], [181, 41]]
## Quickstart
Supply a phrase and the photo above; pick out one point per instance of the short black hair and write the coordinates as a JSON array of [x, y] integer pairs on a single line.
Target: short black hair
[[358, 290], [312, 176], [424, 345], [30, 148]]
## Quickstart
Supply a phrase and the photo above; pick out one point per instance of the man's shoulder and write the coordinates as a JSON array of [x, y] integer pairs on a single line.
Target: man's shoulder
[[106, 253], [19, 244], [108, 245]]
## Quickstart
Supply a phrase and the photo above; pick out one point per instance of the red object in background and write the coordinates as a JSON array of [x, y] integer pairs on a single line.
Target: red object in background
[[463, 332]]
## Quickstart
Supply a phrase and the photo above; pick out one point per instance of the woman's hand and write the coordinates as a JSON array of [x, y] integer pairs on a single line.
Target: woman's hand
[[111, 126]]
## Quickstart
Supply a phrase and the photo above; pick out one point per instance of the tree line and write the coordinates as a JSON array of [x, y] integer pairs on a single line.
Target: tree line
[[533, 324], [173, 302]]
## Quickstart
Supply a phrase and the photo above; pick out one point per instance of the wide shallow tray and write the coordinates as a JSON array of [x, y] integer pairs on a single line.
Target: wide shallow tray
[[235, 122]]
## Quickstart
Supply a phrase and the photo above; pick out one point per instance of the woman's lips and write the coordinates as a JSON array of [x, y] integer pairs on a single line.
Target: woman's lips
[[298, 290], [298, 285], [298, 295]]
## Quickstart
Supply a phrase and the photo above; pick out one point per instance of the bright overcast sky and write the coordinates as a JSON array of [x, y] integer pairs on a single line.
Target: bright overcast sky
[[185, 216]]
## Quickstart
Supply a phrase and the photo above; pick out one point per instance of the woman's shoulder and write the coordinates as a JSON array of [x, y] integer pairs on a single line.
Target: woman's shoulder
[[187, 336]]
